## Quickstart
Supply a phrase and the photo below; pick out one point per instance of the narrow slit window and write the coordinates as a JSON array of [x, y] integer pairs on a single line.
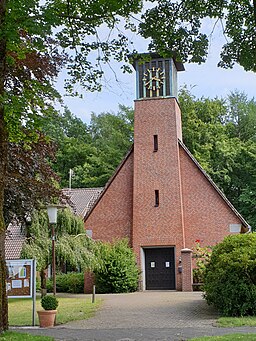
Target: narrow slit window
[[156, 198], [155, 143]]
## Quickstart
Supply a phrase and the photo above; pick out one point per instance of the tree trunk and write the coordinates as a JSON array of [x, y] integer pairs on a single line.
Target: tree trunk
[[43, 282], [3, 163], [3, 168]]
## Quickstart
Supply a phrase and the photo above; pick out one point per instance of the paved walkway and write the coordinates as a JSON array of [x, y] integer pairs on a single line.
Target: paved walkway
[[172, 316]]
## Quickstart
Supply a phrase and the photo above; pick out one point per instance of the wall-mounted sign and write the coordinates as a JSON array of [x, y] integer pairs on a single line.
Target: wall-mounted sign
[[152, 264], [20, 278]]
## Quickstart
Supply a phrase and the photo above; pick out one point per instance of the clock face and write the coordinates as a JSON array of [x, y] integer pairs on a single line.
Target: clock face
[[153, 78]]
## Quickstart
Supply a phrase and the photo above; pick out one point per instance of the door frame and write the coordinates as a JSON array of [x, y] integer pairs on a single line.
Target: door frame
[[143, 262]]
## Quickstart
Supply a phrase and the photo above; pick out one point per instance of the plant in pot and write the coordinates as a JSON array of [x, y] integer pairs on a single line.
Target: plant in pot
[[47, 316]]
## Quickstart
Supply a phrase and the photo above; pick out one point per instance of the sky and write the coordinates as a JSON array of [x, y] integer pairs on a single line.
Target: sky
[[205, 80]]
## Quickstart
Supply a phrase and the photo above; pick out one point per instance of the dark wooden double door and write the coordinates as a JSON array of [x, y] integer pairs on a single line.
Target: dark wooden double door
[[160, 268]]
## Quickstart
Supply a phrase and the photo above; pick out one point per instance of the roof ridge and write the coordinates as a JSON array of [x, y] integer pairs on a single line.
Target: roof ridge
[[82, 188]]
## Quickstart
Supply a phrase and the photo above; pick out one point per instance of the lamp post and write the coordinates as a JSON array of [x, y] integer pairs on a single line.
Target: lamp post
[[52, 215]]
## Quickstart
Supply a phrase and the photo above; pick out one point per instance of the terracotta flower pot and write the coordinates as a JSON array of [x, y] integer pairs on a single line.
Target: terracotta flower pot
[[46, 318]]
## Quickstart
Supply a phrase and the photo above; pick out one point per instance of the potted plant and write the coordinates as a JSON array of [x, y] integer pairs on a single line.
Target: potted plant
[[47, 316]]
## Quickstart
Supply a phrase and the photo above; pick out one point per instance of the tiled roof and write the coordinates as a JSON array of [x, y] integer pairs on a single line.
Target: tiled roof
[[14, 240], [82, 199], [243, 221]]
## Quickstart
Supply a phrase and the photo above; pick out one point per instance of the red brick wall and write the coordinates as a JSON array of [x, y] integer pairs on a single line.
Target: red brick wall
[[187, 277], [157, 226], [189, 209], [111, 218], [89, 281], [206, 215]]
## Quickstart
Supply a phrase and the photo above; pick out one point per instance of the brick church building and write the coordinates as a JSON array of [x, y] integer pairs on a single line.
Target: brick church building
[[160, 198]]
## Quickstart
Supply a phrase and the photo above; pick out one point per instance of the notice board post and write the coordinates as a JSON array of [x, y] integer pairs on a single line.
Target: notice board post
[[21, 281]]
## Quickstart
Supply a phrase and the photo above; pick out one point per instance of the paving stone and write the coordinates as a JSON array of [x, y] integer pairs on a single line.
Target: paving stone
[[144, 316]]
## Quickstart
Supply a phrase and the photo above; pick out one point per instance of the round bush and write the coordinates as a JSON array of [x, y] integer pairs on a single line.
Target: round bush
[[119, 272], [230, 276], [49, 302]]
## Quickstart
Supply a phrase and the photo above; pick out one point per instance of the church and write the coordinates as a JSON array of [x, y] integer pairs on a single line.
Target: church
[[159, 197]]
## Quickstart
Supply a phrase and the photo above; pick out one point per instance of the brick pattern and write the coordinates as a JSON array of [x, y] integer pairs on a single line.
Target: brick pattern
[[186, 262], [89, 281], [190, 208], [207, 216], [157, 226], [111, 218]]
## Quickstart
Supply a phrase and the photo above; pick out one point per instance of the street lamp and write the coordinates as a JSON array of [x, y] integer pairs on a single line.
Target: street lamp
[[52, 211]]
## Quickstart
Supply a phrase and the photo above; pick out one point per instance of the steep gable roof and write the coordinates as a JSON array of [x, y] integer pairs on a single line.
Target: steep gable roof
[[82, 199], [243, 221]]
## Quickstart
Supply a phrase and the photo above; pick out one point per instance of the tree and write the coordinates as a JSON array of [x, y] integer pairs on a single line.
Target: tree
[[73, 248], [178, 26], [112, 137], [93, 152], [36, 40], [73, 143], [220, 134], [30, 179]]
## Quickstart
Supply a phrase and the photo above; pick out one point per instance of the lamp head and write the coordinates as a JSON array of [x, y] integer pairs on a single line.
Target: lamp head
[[52, 211]]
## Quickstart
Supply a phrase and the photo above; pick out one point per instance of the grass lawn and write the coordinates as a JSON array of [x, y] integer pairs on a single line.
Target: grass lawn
[[12, 336], [237, 321], [69, 309], [230, 337]]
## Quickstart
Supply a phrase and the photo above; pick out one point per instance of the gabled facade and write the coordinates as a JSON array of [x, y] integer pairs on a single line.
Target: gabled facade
[[160, 198]]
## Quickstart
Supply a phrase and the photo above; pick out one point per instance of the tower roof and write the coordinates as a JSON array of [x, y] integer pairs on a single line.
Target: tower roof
[[153, 55]]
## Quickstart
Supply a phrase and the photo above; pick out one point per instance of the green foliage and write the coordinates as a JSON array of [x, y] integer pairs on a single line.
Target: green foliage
[[230, 277], [94, 151], [202, 256], [117, 270], [220, 133], [37, 39], [72, 247], [72, 282], [49, 302], [179, 26], [38, 243], [69, 223]]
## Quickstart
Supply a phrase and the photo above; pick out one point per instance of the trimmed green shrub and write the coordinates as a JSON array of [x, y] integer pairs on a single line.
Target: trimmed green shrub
[[230, 276], [49, 302], [72, 282], [118, 271]]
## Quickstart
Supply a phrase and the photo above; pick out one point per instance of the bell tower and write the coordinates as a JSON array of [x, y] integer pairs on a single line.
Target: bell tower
[[156, 76], [158, 221]]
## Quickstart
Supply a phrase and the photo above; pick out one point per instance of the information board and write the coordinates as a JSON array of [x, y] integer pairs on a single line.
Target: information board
[[20, 278]]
